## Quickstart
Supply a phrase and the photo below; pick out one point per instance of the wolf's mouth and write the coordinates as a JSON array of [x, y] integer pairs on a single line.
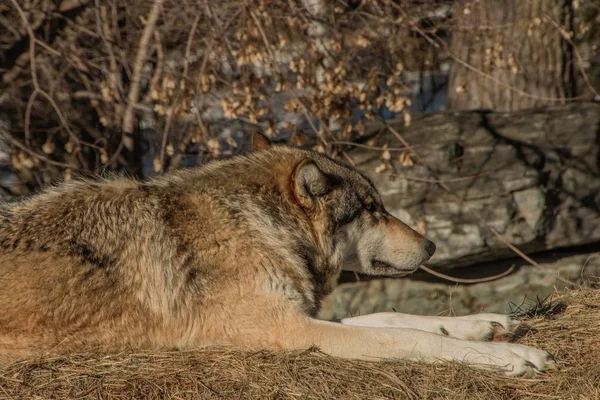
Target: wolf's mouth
[[381, 264], [387, 268]]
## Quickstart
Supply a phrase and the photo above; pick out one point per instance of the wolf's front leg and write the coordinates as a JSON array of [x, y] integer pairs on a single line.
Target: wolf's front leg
[[370, 343], [484, 327]]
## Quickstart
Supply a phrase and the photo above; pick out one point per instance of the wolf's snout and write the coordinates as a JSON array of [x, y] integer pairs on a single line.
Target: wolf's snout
[[429, 247]]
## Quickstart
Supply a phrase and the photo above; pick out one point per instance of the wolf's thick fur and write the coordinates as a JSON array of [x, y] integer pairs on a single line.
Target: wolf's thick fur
[[240, 251]]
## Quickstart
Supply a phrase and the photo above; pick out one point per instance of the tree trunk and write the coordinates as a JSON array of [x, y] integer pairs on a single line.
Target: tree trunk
[[533, 176], [521, 57]]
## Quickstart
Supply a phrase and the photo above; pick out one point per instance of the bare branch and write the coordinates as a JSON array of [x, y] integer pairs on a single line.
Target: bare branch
[[468, 280], [140, 59]]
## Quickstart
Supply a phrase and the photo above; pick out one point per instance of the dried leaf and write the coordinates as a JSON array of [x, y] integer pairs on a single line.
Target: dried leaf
[[406, 159], [157, 164], [385, 154], [380, 168], [48, 147], [407, 118]]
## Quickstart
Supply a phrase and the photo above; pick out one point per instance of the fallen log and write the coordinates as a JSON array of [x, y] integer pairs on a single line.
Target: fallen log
[[533, 176]]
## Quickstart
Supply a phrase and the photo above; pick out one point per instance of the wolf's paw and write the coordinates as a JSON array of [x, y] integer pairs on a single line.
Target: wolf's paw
[[468, 329], [513, 359], [500, 327]]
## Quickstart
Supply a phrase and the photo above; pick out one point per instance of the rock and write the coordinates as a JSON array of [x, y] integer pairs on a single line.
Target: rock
[[521, 288]]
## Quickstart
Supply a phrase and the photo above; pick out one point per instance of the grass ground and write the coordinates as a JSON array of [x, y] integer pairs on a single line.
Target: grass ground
[[572, 335]]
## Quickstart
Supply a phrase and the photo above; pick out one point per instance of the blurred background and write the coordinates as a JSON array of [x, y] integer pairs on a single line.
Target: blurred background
[[479, 121]]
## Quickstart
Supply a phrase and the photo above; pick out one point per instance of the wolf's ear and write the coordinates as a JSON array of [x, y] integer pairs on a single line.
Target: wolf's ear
[[260, 141], [309, 183]]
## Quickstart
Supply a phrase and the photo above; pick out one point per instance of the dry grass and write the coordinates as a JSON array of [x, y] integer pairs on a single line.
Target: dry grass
[[571, 335]]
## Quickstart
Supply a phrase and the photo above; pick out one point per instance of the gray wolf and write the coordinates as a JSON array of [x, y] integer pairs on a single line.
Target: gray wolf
[[240, 252]]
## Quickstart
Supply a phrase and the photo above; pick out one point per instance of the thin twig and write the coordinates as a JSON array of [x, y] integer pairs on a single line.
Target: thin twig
[[158, 69], [112, 61], [366, 146], [461, 179], [32, 153], [581, 275], [140, 60], [186, 60], [467, 280], [34, 77], [188, 46]]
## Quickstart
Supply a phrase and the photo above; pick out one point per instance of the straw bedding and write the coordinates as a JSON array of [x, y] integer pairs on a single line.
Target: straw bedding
[[568, 326]]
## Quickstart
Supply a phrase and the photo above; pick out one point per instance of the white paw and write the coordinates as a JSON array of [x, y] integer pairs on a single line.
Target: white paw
[[503, 325], [467, 329], [513, 359]]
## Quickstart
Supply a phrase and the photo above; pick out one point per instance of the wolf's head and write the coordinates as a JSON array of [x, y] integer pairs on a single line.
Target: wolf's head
[[350, 220]]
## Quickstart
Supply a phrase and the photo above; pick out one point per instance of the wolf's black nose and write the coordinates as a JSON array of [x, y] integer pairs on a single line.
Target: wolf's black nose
[[430, 247]]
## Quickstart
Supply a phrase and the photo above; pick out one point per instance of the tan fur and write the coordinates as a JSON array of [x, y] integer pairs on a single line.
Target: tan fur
[[240, 251]]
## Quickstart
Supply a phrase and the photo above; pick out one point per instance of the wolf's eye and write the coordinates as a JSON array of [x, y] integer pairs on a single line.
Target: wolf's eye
[[371, 206]]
